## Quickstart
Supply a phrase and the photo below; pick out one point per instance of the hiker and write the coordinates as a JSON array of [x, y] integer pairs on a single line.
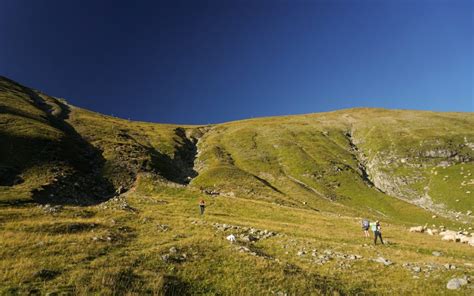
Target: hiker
[[377, 229], [365, 227], [202, 205]]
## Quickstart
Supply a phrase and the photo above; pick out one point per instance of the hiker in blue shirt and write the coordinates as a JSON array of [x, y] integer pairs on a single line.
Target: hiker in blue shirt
[[365, 227]]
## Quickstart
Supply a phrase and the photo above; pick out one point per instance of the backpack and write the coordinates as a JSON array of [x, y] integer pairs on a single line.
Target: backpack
[[365, 223]]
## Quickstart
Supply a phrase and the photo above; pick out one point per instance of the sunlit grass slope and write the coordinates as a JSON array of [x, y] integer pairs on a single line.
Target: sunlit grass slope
[[128, 221], [70, 251], [323, 161]]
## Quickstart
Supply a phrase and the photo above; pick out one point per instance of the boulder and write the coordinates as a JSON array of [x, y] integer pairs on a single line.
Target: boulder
[[464, 239], [449, 266], [471, 242], [449, 237], [456, 283], [417, 229], [384, 261], [445, 232], [248, 238], [231, 238]]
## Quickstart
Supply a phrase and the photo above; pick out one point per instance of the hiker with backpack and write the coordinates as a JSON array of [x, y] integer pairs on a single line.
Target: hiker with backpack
[[365, 227], [377, 229], [202, 206]]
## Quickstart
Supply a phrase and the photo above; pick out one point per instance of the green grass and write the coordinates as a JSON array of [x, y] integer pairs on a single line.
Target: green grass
[[453, 186], [300, 176], [34, 242]]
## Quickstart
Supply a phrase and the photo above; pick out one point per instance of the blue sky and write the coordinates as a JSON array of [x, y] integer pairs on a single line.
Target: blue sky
[[201, 62]]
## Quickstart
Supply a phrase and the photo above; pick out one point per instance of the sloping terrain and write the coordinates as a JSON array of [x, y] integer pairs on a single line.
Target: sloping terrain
[[96, 204], [67, 155], [42, 155], [348, 157]]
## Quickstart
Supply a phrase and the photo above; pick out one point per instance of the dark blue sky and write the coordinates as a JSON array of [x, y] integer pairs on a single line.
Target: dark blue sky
[[214, 61]]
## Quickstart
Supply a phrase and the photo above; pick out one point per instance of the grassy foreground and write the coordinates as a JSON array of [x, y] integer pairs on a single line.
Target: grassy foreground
[[108, 250]]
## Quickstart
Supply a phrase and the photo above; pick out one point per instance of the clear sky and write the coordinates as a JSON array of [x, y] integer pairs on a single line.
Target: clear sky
[[214, 61]]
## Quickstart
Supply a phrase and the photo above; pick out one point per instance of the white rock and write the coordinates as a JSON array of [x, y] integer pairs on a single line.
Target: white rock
[[471, 242], [465, 239], [447, 232], [383, 261], [455, 284], [449, 237], [231, 238], [417, 229]]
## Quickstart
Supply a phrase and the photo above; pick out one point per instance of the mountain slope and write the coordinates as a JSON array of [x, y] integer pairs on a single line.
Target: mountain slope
[[93, 204], [319, 161], [349, 157]]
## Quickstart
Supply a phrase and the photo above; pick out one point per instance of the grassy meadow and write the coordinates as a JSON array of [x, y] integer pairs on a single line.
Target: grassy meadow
[[94, 204]]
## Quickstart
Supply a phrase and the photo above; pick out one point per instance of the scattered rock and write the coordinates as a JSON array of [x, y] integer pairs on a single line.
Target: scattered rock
[[120, 190], [456, 283], [47, 208], [464, 239], [163, 227], [437, 254], [420, 229], [231, 238], [245, 234], [384, 261], [449, 266], [243, 249], [174, 256], [117, 203]]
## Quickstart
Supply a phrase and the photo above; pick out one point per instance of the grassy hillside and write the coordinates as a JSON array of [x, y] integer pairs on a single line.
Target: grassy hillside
[[56, 153], [164, 247], [325, 161], [93, 204], [42, 157]]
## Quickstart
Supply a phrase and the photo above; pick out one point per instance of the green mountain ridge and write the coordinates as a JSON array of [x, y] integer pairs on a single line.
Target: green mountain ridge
[[315, 157], [400, 166]]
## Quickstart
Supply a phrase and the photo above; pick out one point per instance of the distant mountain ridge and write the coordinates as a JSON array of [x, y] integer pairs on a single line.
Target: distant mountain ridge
[[361, 158]]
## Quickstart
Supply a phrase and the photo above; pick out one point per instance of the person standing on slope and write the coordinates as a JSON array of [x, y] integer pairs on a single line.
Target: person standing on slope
[[365, 227], [202, 206], [377, 229]]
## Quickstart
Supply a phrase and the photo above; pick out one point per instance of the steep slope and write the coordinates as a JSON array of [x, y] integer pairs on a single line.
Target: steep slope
[[292, 190], [42, 154], [53, 152], [423, 157], [352, 160], [348, 157], [129, 148]]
